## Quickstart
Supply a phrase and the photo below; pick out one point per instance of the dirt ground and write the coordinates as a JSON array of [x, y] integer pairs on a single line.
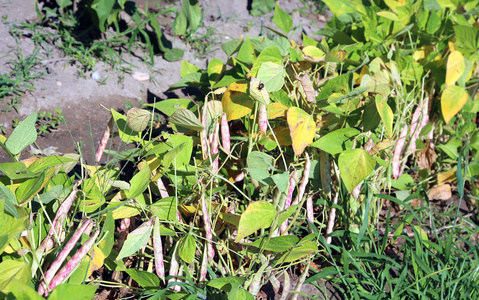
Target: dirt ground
[[86, 102]]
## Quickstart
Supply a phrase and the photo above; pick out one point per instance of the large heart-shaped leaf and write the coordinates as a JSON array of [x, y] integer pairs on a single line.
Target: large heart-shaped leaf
[[355, 165]]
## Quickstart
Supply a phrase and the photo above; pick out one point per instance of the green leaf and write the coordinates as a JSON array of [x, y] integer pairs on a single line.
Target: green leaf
[[139, 182], [13, 269], [145, 279], [282, 19], [272, 75], [10, 225], [31, 187], [386, 114], [285, 214], [187, 248], [10, 201], [185, 118], [136, 240], [169, 106], [296, 253], [275, 244], [189, 17], [16, 170], [107, 234], [269, 54], [23, 135], [246, 52], [22, 291], [170, 156], [240, 293], [46, 162], [165, 209], [261, 7], [74, 292], [355, 166], [336, 141], [226, 283], [232, 47], [216, 69], [101, 12], [256, 216], [64, 3]]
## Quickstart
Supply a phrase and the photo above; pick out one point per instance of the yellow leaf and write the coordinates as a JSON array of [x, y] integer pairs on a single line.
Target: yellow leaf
[[386, 114], [452, 100], [447, 176], [302, 129], [97, 260], [455, 67], [313, 52], [282, 134], [276, 110], [236, 101]]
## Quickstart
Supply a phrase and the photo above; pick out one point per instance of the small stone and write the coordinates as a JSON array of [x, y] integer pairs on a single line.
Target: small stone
[[140, 76], [96, 76]]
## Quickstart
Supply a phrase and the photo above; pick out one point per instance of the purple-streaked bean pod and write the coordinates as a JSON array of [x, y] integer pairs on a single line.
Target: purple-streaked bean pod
[[369, 145], [286, 286], [204, 133], [304, 181], [158, 251], [239, 177], [204, 264], [208, 230], [104, 140], [215, 147], [301, 280], [57, 223], [325, 171], [263, 118], [332, 217], [398, 151], [73, 262], [309, 210], [292, 185], [273, 279], [162, 188], [174, 266], [62, 256], [225, 134]]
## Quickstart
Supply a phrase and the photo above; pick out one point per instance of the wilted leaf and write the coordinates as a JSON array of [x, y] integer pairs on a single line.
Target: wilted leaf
[[185, 118], [137, 119], [426, 157], [97, 259], [442, 192], [302, 129]]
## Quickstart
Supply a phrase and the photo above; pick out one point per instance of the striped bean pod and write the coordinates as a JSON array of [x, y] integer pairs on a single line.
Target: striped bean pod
[[158, 251], [225, 133], [73, 262], [104, 140], [42, 289]]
